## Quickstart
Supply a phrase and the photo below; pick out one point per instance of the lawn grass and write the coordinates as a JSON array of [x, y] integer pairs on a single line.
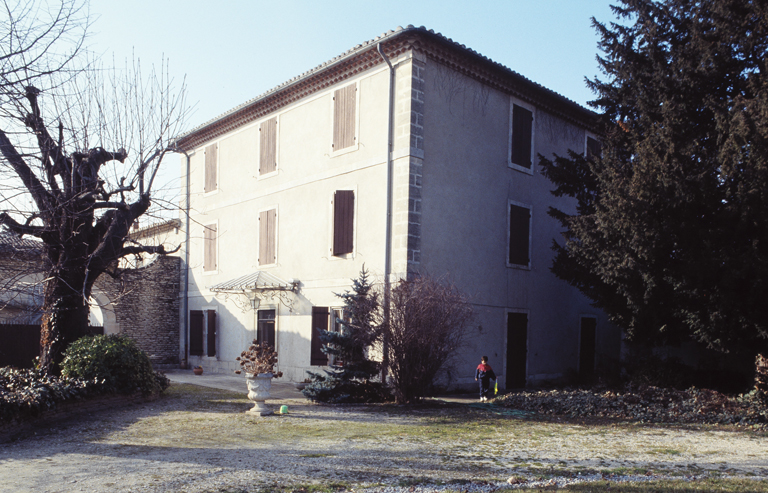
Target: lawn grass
[[448, 444]]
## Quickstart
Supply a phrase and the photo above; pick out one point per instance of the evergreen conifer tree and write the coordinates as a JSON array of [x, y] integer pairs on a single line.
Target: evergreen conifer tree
[[351, 375], [670, 232]]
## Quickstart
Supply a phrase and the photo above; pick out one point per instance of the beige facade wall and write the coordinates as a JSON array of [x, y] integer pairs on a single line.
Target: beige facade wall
[[301, 190]]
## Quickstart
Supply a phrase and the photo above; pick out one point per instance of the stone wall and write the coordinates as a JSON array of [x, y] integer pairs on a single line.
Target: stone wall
[[146, 307]]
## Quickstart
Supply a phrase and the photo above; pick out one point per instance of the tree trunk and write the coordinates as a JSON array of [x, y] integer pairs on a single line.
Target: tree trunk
[[65, 319]]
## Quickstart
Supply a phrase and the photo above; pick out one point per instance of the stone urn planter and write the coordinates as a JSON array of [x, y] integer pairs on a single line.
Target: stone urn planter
[[258, 363], [198, 370], [258, 392]]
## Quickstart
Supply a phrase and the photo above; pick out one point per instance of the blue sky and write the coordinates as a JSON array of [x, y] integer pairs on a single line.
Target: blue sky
[[232, 51]]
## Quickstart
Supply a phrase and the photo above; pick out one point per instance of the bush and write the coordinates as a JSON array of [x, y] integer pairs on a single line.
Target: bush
[[428, 322], [114, 360], [27, 393]]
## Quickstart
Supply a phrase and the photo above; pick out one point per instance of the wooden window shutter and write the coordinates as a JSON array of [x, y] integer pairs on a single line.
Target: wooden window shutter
[[343, 221], [209, 247], [594, 148], [211, 326], [319, 322], [268, 146], [210, 168], [522, 128], [268, 237], [519, 231], [195, 333], [344, 101]]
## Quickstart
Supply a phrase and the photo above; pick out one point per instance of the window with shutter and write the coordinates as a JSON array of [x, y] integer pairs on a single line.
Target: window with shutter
[[268, 237], [320, 315], [196, 333], [344, 102], [343, 221], [522, 136], [210, 168], [519, 235], [209, 248], [211, 331], [268, 146]]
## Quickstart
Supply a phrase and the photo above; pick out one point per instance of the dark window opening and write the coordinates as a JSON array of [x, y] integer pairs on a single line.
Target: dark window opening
[[594, 148], [522, 131], [320, 316], [519, 235]]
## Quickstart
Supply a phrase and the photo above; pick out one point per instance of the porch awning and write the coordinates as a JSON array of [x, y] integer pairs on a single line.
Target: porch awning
[[258, 281]]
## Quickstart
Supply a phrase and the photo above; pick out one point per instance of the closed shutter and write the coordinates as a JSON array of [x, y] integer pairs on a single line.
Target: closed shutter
[[344, 117], [196, 333], [319, 323], [519, 231], [343, 221], [211, 326], [594, 148], [268, 237], [209, 247], [268, 146], [522, 127], [210, 168]]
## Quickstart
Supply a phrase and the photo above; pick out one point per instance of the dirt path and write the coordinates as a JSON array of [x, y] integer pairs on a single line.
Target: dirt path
[[198, 439]]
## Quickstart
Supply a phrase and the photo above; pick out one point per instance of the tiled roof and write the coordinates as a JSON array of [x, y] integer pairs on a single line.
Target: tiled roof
[[12, 242], [364, 56]]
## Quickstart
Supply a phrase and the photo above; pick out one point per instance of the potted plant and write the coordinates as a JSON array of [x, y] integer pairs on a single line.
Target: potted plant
[[197, 370], [258, 363]]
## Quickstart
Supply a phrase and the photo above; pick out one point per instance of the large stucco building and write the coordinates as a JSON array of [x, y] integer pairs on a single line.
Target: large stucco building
[[408, 154]]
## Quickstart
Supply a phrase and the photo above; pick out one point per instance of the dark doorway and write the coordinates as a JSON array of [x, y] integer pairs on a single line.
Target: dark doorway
[[587, 349], [266, 330], [517, 349]]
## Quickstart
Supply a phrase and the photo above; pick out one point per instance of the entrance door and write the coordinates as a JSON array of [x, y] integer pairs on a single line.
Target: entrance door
[[587, 349], [517, 349], [266, 328]]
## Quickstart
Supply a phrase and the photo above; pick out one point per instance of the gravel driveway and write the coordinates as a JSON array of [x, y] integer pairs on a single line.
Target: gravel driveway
[[197, 439]]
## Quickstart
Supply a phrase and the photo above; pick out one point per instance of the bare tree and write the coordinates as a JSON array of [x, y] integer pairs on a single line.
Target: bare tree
[[39, 39], [84, 155], [427, 325]]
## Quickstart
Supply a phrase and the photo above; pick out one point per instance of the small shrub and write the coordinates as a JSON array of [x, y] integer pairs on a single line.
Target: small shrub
[[27, 393], [114, 360]]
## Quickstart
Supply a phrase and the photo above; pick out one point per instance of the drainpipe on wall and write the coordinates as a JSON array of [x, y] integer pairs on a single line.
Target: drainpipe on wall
[[388, 236], [185, 297]]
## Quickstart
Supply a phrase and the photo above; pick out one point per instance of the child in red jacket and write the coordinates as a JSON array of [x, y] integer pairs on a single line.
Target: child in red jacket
[[484, 374]]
